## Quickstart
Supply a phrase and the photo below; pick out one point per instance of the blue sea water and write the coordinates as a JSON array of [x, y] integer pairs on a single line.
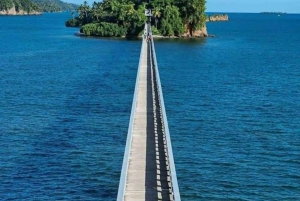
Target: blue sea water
[[232, 103]]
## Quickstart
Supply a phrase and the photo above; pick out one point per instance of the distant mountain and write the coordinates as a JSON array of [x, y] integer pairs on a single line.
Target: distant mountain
[[18, 7], [55, 5]]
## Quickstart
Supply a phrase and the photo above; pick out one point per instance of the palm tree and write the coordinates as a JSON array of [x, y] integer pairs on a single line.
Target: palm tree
[[121, 10], [83, 11], [156, 13], [97, 10], [193, 14]]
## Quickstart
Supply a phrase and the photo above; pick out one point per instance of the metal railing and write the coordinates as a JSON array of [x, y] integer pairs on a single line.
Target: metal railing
[[173, 176], [123, 177]]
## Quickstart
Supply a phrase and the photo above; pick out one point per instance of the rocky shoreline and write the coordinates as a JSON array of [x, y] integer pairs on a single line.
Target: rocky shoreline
[[200, 33], [154, 36], [217, 18], [13, 11]]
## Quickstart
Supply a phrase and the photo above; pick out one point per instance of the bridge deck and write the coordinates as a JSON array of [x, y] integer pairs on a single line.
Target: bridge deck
[[148, 174]]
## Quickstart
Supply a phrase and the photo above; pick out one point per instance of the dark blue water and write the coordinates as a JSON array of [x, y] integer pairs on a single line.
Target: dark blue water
[[232, 104]]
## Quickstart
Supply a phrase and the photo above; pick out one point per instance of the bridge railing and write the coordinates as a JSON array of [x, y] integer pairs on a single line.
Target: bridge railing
[[123, 177], [173, 176]]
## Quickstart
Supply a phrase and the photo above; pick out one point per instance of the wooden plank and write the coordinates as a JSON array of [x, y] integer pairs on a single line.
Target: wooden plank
[[147, 176]]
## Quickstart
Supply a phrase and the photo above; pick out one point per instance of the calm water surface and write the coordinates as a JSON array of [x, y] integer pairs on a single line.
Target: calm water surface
[[232, 104]]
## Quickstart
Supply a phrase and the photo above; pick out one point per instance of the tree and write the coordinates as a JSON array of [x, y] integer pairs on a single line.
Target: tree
[[54, 5], [6, 5], [25, 5], [172, 17], [137, 21], [97, 11], [156, 14], [83, 11], [171, 22], [192, 13]]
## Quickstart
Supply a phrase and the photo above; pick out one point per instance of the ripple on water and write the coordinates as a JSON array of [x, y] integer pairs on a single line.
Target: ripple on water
[[232, 104]]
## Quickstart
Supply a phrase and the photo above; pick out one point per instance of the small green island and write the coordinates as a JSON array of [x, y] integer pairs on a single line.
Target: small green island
[[126, 18], [34, 7]]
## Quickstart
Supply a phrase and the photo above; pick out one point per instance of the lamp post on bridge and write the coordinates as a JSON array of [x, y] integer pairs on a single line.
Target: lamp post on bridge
[[148, 12]]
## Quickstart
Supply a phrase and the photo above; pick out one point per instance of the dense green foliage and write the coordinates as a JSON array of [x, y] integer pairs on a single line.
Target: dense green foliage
[[103, 29], [37, 5], [6, 4], [170, 17], [55, 5], [171, 24], [73, 23], [25, 5], [192, 12]]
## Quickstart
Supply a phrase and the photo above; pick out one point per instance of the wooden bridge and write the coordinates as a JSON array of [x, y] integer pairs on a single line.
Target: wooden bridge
[[148, 171]]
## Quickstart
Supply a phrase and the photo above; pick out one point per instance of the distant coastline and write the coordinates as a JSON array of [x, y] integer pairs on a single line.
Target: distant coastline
[[281, 13], [14, 11], [34, 7]]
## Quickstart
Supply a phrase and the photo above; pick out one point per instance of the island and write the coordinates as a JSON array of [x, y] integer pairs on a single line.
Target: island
[[119, 18], [34, 7], [217, 18], [18, 7]]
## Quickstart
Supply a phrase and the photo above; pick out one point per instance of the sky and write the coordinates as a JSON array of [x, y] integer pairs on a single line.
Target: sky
[[242, 6]]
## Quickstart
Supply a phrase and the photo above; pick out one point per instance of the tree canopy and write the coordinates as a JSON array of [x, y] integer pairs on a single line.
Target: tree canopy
[[37, 5], [55, 5], [25, 5], [169, 17]]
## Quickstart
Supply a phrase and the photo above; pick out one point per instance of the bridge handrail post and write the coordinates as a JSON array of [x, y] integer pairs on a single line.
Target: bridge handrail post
[[174, 182], [123, 176]]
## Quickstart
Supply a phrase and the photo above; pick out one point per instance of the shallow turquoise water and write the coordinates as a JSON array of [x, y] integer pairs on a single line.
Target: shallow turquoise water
[[232, 104]]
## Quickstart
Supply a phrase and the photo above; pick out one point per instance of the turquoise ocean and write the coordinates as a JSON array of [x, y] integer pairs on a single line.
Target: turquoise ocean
[[233, 105]]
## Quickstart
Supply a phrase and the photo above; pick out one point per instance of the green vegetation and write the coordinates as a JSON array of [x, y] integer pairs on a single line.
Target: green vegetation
[[6, 4], [37, 5], [103, 29], [25, 5], [73, 23], [127, 17], [55, 5]]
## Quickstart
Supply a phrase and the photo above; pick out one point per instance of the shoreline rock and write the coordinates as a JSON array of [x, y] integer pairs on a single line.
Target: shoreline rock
[[217, 18], [200, 33], [13, 11]]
